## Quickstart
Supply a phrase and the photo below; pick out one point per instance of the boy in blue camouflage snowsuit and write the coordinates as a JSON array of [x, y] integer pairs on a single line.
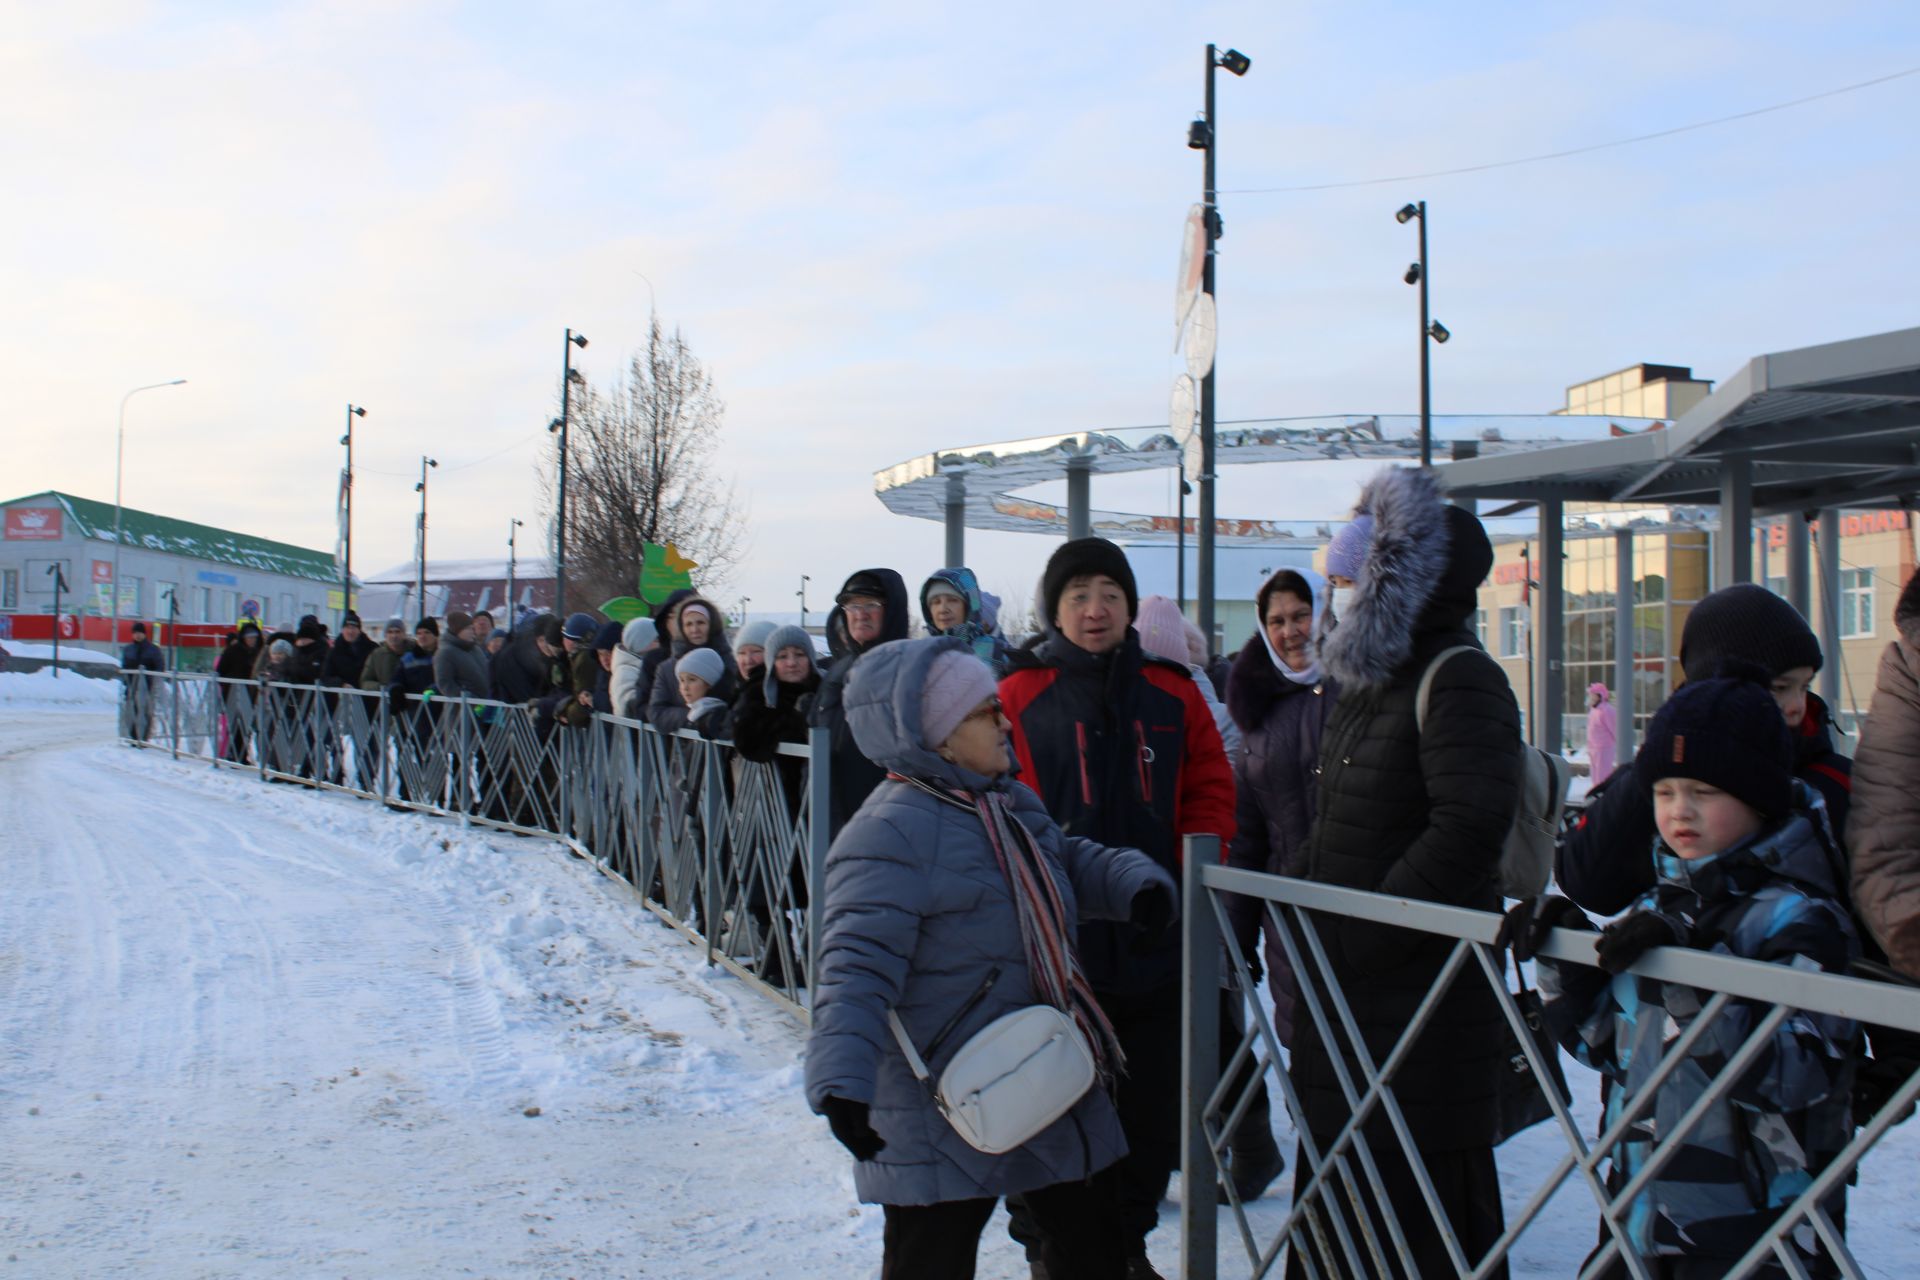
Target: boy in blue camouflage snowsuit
[[1745, 866]]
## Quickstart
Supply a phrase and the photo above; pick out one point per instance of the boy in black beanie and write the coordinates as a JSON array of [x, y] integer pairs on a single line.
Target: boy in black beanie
[[1598, 864], [1744, 866]]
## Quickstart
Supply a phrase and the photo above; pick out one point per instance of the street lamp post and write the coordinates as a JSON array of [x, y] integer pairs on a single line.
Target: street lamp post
[[119, 454], [420, 580], [744, 602], [1430, 330], [802, 593], [346, 532], [567, 377], [513, 530], [1204, 136]]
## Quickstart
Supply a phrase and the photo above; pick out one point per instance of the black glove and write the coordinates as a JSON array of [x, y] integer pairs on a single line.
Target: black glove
[[1529, 922], [1153, 911], [1625, 941], [848, 1120]]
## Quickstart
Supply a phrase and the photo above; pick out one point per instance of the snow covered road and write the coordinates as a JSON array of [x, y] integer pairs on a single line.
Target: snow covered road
[[246, 1030], [249, 1031]]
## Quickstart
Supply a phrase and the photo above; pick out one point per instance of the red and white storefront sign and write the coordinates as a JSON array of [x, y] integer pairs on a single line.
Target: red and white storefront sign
[[103, 571], [34, 524]]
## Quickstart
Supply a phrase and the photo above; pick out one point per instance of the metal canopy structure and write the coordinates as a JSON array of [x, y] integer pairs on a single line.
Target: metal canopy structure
[[1838, 423], [1804, 431], [977, 486]]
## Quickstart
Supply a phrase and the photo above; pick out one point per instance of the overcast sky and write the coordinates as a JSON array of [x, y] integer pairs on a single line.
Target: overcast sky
[[888, 228]]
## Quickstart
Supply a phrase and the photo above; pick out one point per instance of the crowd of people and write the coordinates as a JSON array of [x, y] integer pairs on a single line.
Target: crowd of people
[[1007, 818]]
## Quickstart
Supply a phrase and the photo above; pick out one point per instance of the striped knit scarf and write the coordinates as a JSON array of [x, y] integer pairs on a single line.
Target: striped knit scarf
[[1051, 959]]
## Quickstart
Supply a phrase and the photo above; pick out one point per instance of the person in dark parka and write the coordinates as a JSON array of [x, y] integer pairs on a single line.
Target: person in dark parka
[[666, 631], [869, 610], [235, 663], [142, 655], [929, 913], [1601, 863], [460, 665], [1122, 748], [1414, 814], [1281, 698], [697, 625], [348, 655]]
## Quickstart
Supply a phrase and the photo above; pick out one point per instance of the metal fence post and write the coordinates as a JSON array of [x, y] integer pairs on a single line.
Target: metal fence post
[[713, 906], [819, 834], [173, 688], [463, 794], [260, 744], [1199, 1060]]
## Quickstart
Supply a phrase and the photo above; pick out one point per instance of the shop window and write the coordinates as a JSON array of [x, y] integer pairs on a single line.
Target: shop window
[[1856, 603], [1513, 633]]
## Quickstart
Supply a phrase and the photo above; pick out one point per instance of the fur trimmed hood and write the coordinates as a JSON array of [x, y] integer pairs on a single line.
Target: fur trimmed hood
[[1422, 569]]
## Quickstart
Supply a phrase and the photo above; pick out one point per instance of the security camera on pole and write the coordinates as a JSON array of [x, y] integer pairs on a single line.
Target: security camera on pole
[[1201, 322]]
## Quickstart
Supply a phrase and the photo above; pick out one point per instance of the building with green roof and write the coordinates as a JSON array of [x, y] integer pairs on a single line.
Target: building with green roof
[[205, 580]]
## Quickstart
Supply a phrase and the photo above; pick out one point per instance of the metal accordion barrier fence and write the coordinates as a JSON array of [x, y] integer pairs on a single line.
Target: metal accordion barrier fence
[[727, 852], [719, 847], [1344, 1224]]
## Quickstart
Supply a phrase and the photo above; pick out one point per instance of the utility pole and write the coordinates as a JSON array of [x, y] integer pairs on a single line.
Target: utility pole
[[513, 607], [567, 376], [1209, 141], [60, 585], [346, 497], [420, 579]]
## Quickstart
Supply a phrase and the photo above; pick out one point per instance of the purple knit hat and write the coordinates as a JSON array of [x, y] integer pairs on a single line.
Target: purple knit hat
[[1348, 550], [957, 682]]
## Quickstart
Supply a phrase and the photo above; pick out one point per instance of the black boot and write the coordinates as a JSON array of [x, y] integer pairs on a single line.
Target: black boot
[[1256, 1159]]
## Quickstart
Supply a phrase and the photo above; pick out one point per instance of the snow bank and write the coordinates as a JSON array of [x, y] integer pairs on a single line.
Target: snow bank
[[68, 653], [68, 691]]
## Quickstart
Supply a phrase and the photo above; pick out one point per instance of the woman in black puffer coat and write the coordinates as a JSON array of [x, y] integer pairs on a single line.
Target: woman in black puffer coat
[[1417, 815], [1281, 698]]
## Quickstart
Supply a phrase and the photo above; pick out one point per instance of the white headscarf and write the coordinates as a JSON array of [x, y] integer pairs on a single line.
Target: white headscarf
[[1312, 675]]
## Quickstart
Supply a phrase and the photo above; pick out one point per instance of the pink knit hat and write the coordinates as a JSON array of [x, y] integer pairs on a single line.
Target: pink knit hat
[[957, 682], [1162, 628]]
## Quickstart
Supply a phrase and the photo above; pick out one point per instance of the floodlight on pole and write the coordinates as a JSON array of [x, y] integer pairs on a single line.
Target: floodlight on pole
[[119, 454], [1203, 136], [1429, 329], [346, 517], [421, 489], [513, 529], [568, 376]]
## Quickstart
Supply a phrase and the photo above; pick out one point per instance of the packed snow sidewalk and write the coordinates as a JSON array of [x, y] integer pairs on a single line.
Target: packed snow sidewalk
[[247, 1031]]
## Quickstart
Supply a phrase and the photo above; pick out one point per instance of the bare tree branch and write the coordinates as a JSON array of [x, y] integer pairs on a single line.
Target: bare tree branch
[[640, 469]]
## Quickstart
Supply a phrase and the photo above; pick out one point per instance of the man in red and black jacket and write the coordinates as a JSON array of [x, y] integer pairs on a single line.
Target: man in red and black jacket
[[1123, 750]]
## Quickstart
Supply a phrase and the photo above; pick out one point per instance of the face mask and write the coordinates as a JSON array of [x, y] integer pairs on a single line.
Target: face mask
[[1341, 600]]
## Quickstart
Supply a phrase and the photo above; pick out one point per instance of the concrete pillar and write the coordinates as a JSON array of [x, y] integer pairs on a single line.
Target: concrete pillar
[[1799, 562], [1829, 624], [1550, 628], [1734, 561], [956, 509], [1079, 497], [1623, 637]]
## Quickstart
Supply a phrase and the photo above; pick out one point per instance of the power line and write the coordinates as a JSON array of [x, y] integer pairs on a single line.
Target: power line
[[1574, 151]]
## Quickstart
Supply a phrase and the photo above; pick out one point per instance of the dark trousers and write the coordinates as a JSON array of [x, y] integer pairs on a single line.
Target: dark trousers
[[942, 1241], [1467, 1184]]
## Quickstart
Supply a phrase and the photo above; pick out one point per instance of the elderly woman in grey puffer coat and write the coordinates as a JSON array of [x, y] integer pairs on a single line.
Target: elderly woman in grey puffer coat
[[951, 900]]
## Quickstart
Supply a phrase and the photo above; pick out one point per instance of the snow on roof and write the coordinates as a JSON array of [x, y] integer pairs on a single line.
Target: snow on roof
[[194, 541], [526, 567]]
